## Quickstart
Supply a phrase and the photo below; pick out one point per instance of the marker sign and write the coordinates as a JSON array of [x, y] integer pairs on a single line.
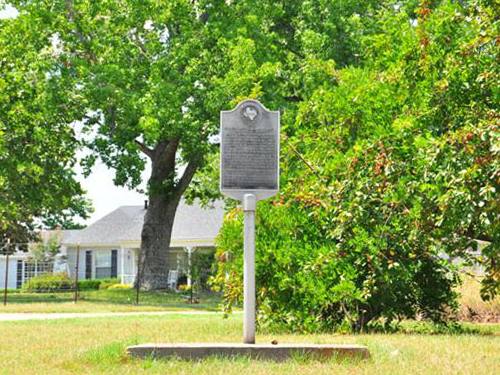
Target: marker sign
[[249, 151]]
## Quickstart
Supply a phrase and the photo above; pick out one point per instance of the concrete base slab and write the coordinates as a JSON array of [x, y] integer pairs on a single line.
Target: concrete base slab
[[279, 352]]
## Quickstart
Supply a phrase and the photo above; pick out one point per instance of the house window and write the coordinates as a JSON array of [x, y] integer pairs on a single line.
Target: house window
[[19, 274], [102, 264], [33, 268]]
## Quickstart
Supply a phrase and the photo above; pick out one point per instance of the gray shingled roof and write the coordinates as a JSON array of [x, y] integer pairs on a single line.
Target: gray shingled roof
[[65, 235], [68, 234], [192, 222]]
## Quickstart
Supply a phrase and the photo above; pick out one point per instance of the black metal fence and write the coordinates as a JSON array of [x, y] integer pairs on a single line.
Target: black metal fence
[[29, 281]]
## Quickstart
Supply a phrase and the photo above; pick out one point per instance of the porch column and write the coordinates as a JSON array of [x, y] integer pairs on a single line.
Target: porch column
[[189, 250], [122, 264]]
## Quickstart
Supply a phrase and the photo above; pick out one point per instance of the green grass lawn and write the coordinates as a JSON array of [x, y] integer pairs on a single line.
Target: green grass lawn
[[112, 300], [97, 346]]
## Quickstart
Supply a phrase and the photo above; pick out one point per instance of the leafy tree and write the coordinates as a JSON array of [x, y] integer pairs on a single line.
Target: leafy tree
[[46, 250], [37, 143], [140, 78], [148, 79], [390, 164]]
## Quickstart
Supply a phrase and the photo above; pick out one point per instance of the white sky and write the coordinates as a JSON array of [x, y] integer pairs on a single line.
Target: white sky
[[8, 12], [103, 193]]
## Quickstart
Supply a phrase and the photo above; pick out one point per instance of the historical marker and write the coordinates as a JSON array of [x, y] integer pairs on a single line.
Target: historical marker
[[249, 151], [249, 172]]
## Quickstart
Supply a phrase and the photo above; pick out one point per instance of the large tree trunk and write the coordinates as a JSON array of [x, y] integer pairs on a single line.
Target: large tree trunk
[[156, 234], [165, 193]]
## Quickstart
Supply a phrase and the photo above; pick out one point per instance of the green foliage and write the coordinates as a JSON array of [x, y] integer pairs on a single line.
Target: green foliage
[[37, 144], [89, 284], [202, 265], [48, 283], [147, 79], [119, 286], [393, 105], [402, 173], [97, 284], [108, 283], [307, 282], [138, 75], [46, 250]]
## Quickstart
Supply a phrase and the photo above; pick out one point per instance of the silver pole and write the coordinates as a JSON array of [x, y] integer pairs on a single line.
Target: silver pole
[[249, 204]]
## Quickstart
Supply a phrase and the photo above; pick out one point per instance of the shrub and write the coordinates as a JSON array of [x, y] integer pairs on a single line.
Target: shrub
[[201, 269], [184, 288], [89, 284], [387, 167], [48, 283], [120, 286], [307, 282], [107, 283]]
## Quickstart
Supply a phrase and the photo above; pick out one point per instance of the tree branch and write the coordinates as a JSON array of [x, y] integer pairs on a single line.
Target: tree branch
[[145, 149], [296, 152], [187, 176], [111, 119]]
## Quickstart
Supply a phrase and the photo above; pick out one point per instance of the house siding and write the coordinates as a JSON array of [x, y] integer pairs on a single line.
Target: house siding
[[16, 264], [12, 277], [71, 260]]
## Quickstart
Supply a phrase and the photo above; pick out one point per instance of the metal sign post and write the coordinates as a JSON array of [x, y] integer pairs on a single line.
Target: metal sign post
[[249, 173], [249, 203]]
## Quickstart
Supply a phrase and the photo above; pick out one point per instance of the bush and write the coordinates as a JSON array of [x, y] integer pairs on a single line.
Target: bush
[[201, 269], [89, 284], [48, 283], [120, 286], [306, 282], [184, 288], [108, 283], [97, 284]]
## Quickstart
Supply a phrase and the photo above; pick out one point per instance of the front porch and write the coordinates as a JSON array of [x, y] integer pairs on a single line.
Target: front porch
[[121, 262]]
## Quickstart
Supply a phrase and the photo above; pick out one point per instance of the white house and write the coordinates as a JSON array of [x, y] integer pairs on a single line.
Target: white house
[[109, 247]]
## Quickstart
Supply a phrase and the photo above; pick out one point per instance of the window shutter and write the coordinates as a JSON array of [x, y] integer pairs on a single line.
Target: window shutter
[[114, 263], [88, 264], [19, 278]]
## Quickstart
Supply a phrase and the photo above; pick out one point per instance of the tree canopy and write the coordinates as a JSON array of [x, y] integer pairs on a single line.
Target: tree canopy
[[37, 143], [390, 169]]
